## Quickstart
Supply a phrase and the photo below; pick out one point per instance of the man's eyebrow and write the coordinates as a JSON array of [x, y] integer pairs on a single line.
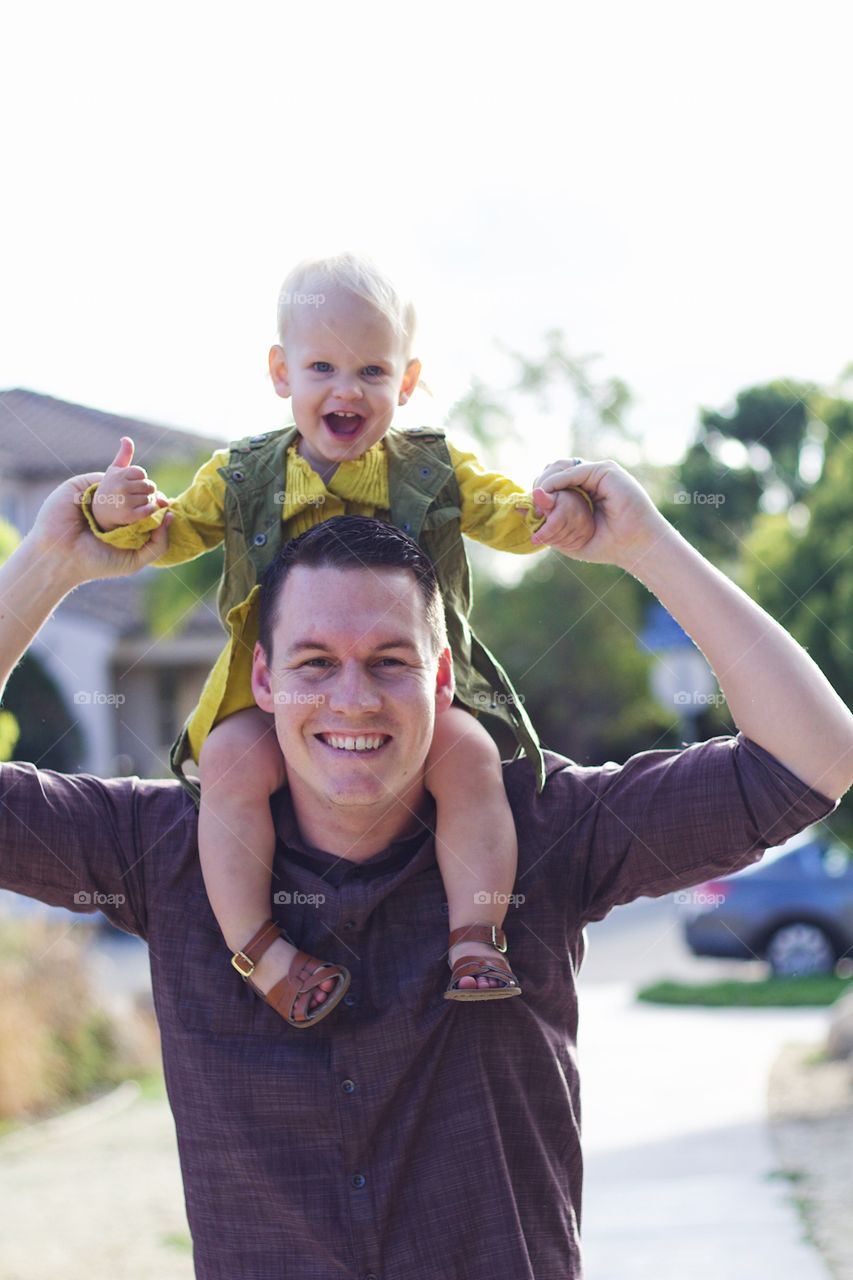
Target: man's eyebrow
[[401, 642]]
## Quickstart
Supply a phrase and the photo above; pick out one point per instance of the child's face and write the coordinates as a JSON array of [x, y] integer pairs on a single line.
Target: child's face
[[346, 371]]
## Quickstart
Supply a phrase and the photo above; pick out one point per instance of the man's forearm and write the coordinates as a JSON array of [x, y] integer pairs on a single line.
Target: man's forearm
[[776, 694], [32, 584]]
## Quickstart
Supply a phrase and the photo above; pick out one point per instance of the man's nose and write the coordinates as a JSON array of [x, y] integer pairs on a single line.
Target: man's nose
[[353, 690]]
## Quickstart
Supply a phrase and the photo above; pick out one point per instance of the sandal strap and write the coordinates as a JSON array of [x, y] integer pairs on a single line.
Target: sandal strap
[[490, 933], [478, 967], [306, 973], [244, 961]]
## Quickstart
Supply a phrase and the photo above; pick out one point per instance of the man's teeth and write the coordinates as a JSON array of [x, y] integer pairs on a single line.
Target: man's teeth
[[354, 744]]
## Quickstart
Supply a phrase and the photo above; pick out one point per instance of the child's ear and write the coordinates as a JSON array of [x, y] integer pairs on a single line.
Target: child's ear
[[410, 380], [261, 680], [278, 371]]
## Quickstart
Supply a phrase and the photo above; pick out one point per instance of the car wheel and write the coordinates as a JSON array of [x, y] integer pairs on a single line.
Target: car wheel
[[799, 949]]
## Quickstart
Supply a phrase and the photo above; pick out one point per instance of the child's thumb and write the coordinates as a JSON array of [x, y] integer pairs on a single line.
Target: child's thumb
[[544, 500], [124, 457]]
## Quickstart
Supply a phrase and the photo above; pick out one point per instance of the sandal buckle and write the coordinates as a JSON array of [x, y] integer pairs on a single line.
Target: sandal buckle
[[239, 956], [498, 946]]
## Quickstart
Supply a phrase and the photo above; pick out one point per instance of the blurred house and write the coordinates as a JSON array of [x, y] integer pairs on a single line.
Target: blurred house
[[98, 692]]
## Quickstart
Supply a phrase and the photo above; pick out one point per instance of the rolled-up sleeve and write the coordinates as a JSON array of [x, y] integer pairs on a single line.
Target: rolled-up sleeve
[[665, 820], [70, 840]]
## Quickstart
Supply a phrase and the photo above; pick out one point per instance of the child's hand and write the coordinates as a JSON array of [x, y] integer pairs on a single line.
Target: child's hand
[[569, 522], [125, 494]]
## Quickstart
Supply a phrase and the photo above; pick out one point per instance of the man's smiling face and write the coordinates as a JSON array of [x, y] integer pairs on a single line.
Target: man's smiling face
[[354, 683]]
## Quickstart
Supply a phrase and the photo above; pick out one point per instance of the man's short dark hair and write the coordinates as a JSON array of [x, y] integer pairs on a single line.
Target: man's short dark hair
[[351, 542]]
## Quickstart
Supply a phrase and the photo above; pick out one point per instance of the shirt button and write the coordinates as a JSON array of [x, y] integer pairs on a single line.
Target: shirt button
[[350, 1000], [407, 528], [260, 539], [347, 1086], [349, 924], [371, 1275], [256, 439], [358, 1179], [424, 471], [237, 475]]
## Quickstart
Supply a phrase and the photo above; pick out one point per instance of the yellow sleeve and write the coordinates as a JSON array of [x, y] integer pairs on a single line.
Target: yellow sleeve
[[489, 502], [197, 523]]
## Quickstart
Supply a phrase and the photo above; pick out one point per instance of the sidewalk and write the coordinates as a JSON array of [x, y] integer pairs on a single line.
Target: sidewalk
[[677, 1147], [95, 1193]]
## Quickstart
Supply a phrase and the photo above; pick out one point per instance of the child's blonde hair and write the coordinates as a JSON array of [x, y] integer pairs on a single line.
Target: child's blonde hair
[[356, 273]]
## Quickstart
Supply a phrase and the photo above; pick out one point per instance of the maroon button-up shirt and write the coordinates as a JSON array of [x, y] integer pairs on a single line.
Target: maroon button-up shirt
[[406, 1137]]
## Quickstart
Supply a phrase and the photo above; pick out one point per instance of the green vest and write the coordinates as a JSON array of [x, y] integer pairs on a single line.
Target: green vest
[[425, 504]]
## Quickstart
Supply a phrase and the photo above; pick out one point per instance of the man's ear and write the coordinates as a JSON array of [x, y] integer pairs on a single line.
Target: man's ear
[[410, 380], [278, 371], [444, 684], [261, 680]]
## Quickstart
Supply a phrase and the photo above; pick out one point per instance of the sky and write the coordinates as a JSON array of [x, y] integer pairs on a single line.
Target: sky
[[669, 184]]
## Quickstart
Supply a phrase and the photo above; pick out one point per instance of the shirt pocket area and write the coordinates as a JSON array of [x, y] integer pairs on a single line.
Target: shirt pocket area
[[211, 995]]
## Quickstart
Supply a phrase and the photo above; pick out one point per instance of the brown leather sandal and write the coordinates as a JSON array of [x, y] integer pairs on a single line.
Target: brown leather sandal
[[291, 996], [480, 967]]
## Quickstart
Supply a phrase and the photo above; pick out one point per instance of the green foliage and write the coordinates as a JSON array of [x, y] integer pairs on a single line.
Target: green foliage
[[566, 635]]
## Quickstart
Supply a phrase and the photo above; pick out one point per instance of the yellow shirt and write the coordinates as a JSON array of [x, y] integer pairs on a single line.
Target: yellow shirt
[[358, 487]]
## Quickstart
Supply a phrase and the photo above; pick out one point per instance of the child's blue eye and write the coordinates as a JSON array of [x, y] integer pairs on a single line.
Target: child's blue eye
[[374, 371], [322, 366]]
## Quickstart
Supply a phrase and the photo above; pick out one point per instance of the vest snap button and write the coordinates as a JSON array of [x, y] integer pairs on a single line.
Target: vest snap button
[[407, 528], [257, 439], [424, 471], [237, 475], [260, 539]]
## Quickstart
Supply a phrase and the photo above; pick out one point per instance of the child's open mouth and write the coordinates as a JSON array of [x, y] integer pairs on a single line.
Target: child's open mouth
[[344, 425]]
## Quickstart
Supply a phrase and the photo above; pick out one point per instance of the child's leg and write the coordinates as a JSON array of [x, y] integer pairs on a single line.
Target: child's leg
[[240, 766], [476, 844]]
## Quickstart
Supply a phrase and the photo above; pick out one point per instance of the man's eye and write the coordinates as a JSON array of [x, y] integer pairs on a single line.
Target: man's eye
[[396, 661], [309, 662], [321, 366]]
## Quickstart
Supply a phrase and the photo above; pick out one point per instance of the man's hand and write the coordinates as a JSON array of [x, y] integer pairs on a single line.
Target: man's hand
[[125, 494], [63, 541], [626, 523]]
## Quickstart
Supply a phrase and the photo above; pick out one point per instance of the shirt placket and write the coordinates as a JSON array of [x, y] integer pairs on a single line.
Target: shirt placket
[[350, 1074]]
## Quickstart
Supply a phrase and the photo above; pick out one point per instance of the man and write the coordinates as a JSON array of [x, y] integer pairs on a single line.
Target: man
[[406, 1137]]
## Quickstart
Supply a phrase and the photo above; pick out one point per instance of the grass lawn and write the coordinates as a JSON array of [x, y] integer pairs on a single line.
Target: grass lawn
[[769, 993]]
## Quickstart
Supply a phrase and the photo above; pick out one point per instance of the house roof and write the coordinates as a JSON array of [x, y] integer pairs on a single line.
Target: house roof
[[42, 438]]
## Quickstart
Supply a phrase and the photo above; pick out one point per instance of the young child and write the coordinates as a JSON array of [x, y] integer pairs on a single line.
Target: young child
[[344, 358]]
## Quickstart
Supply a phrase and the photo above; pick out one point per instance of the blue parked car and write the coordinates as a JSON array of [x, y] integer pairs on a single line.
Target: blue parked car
[[793, 909]]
